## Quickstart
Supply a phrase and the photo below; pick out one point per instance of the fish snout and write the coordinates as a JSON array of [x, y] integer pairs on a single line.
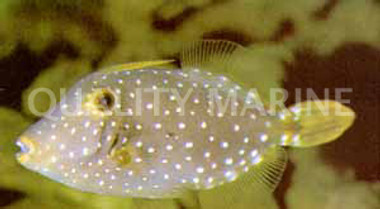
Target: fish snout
[[27, 148]]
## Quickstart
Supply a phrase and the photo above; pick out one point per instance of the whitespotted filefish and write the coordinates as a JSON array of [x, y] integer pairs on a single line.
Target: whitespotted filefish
[[138, 130]]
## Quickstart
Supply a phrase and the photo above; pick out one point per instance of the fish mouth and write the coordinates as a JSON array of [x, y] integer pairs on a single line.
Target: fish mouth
[[27, 147]]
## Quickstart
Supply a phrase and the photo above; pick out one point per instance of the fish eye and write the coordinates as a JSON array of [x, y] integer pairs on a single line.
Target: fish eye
[[105, 100], [101, 100]]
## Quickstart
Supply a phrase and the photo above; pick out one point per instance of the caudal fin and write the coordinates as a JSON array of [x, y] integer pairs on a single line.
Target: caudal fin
[[320, 122]]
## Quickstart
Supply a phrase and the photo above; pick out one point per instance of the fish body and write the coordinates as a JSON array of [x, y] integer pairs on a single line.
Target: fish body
[[157, 133]]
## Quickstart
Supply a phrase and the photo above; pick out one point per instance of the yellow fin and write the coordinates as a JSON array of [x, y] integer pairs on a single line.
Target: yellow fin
[[260, 180], [136, 65], [210, 55], [320, 122]]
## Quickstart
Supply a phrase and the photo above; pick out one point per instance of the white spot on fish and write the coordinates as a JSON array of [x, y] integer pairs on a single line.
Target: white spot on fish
[[178, 166], [181, 125], [196, 180], [224, 145], [149, 106], [138, 160], [200, 170], [236, 127], [85, 151], [254, 153], [151, 150], [263, 137], [207, 154], [189, 145], [138, 126], [157, 126], [139, 144], [169, 147], [228, 161], [54, 159], [73, 130], [203, 125]]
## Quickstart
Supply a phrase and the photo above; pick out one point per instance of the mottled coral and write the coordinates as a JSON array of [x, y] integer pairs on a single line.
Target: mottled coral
[[322, 187]]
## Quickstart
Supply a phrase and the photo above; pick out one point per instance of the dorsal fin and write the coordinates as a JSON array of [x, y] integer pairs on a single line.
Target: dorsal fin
[[210, 55], [221, 57], [136, 65]]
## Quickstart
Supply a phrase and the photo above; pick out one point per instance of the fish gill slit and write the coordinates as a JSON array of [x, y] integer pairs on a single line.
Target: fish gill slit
[[107, 146], [101, 136], [115, 142]]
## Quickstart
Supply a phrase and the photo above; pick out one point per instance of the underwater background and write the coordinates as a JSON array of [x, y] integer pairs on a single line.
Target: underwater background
[[318, 44]]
